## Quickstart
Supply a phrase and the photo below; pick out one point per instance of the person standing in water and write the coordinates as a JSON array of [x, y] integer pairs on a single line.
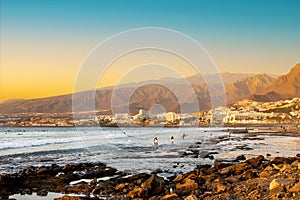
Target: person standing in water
[[172, 139], [155, 142]]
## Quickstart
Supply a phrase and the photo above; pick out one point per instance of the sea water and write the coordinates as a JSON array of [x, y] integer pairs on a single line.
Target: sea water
[[131, 149]]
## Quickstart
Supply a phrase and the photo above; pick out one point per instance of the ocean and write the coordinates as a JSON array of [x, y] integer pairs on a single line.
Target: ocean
[[131, 149]]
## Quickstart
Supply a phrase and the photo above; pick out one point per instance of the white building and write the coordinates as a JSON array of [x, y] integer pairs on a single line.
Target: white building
[[218, 115], [171, 116], [161, 117], [143, 115]]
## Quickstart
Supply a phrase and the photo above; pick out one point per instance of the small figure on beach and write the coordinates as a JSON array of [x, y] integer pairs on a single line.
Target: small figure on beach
[[155, 141], [172, 139], [184, 135]]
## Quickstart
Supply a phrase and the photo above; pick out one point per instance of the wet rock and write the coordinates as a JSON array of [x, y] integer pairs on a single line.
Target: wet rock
[[173, 196], [279, 160], [219, 165], [233, 179], [155, 198], [153, 185], [179, 178], [191, 197], [66, 197], [137, 192], [235, 169], [240, 157], [255, 162], [295, 188], [42, 193], [43, 171], [187, 187], [120, 186]]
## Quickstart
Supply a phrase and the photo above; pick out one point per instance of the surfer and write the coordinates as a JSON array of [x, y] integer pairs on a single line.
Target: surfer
[[184, 135], [155, 141], [172, 139]]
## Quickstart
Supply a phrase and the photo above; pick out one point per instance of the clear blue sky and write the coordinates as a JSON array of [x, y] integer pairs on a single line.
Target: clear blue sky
[[252, 36]]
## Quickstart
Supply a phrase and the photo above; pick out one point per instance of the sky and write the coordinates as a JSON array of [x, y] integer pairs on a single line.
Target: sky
[[44, 43]]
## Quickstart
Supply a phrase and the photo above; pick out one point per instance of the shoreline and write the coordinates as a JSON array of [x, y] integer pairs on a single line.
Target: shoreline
[[253, 178]]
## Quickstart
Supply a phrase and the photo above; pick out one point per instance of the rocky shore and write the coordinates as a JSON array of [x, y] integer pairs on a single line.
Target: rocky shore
[[255, 178]]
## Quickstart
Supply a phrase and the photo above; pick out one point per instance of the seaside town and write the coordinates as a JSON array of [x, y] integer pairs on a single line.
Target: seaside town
[[245, 112]]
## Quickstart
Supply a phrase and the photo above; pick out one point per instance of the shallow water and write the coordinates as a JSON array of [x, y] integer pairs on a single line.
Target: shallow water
[[131, 149], [34, 196]]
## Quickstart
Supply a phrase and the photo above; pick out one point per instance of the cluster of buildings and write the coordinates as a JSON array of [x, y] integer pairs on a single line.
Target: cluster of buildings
[[252, 112], [246, 112], [145, 117]]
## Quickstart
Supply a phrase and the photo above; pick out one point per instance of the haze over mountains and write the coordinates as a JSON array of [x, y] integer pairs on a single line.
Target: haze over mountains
[[179, 95]]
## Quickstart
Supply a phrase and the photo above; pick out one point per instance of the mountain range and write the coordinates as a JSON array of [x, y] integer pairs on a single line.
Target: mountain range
[[173, 94]]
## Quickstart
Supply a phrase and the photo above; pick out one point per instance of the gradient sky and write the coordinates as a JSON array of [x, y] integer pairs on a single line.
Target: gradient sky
[[44, 42]]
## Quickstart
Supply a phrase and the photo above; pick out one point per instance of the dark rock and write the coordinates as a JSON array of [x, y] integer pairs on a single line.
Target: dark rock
[[42, 193], [43, 171], [66, 197], [235, 169], [279, 160], [255, 162], [153, 185], [240, 157], [219, 165], [247, 175]]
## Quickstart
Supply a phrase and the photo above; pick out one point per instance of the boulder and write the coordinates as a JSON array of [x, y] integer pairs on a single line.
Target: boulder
[[274, 184], [173, 196], [120, 186], [219, 165], [235, 169], [240, 157], [137, 192], [153, 185], [255, 162], [295, 164], [295, 188], [217, 186], [187, 187], [247, 175], [279, 160], [178, 178], [191, 197]]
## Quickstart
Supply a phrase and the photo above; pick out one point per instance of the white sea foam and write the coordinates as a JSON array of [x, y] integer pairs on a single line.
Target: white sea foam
[[12, 143]]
